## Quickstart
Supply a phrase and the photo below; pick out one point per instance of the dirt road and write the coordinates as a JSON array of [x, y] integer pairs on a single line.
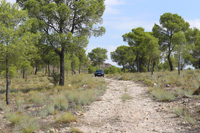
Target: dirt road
[[137, 115]]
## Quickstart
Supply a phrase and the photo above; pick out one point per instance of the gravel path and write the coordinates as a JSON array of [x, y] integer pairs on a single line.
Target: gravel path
[[137, 115]]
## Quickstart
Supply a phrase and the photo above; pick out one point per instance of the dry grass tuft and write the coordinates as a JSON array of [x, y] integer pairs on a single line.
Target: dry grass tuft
[[66, 118]]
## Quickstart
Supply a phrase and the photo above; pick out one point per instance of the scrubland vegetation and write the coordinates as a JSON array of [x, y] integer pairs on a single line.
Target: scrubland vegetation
[[54, 34], [171, 87], [36, 103]]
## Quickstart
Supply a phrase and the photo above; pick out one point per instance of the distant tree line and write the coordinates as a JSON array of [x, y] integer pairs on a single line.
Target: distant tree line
[[171, 45]]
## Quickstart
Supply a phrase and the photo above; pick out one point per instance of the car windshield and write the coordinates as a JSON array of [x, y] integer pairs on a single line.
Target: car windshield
[[99, 70]]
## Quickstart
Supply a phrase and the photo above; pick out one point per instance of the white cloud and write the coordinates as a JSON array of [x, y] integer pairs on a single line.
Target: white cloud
[[125, 23], [114, 2], [11, 1], [110, 9], [194, 23]]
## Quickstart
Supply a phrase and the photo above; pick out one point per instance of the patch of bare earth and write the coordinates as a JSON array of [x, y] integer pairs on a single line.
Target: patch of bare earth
[[140, 114]]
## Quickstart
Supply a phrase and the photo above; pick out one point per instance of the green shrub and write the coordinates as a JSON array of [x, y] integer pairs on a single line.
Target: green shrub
[[189, 119], [2, 105], [12, 72], [92, 69], [54, 78], [162, 95], [148, 82], [178, 111], [60, 102], [19, 102], [75, 130], [14, 118], [112, 70], [38, 98], [47, 110], [27, 124], [66, 118]]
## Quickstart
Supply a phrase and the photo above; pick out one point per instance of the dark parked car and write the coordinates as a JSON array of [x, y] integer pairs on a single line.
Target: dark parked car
[[99, 72]]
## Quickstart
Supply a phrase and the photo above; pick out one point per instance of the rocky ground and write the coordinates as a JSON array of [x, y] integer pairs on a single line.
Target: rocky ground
[[137, 113], [140, 114]]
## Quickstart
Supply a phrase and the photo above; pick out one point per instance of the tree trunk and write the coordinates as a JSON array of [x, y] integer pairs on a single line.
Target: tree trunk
[[199, 64], [74, 72], [62, 68], [79, 70], [138, 62], [46, 68], [152, 70], [24, 73], [179, 66], [99, 66], [170, 62], [49, 72], [7, 81], [53, 69], [36, 69], [124, 69], [148, 66]]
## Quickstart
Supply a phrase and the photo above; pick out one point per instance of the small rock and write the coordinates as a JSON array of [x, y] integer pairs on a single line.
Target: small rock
[[154, 84], [69, 85], [167, 85], [52, 130], [84, 85], [51, 84]]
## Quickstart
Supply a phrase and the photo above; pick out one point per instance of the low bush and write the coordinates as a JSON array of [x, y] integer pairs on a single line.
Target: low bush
[[162, 95], [14, 118], [47, 110], [60, 102], [189, 119], [38, 98], [27, 124], [75, 130], [54, 78], [66, 118], [19, 102], [178, 111]]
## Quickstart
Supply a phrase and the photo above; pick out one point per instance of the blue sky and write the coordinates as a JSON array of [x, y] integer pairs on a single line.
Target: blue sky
[[123, 15]]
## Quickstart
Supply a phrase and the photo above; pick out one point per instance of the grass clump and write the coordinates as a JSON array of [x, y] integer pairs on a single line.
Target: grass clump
[[189, 119], [14, 118], [19, 102], [148, 82], [60, 102], [179, 111], [38, 98], [126, 97], [47, 110], [75, 130], [28, 124], [22, 123], [162, 95], [66, 118]]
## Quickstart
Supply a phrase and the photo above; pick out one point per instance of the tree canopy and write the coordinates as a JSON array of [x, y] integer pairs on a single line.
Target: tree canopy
[[98, 56], [66, 24]]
